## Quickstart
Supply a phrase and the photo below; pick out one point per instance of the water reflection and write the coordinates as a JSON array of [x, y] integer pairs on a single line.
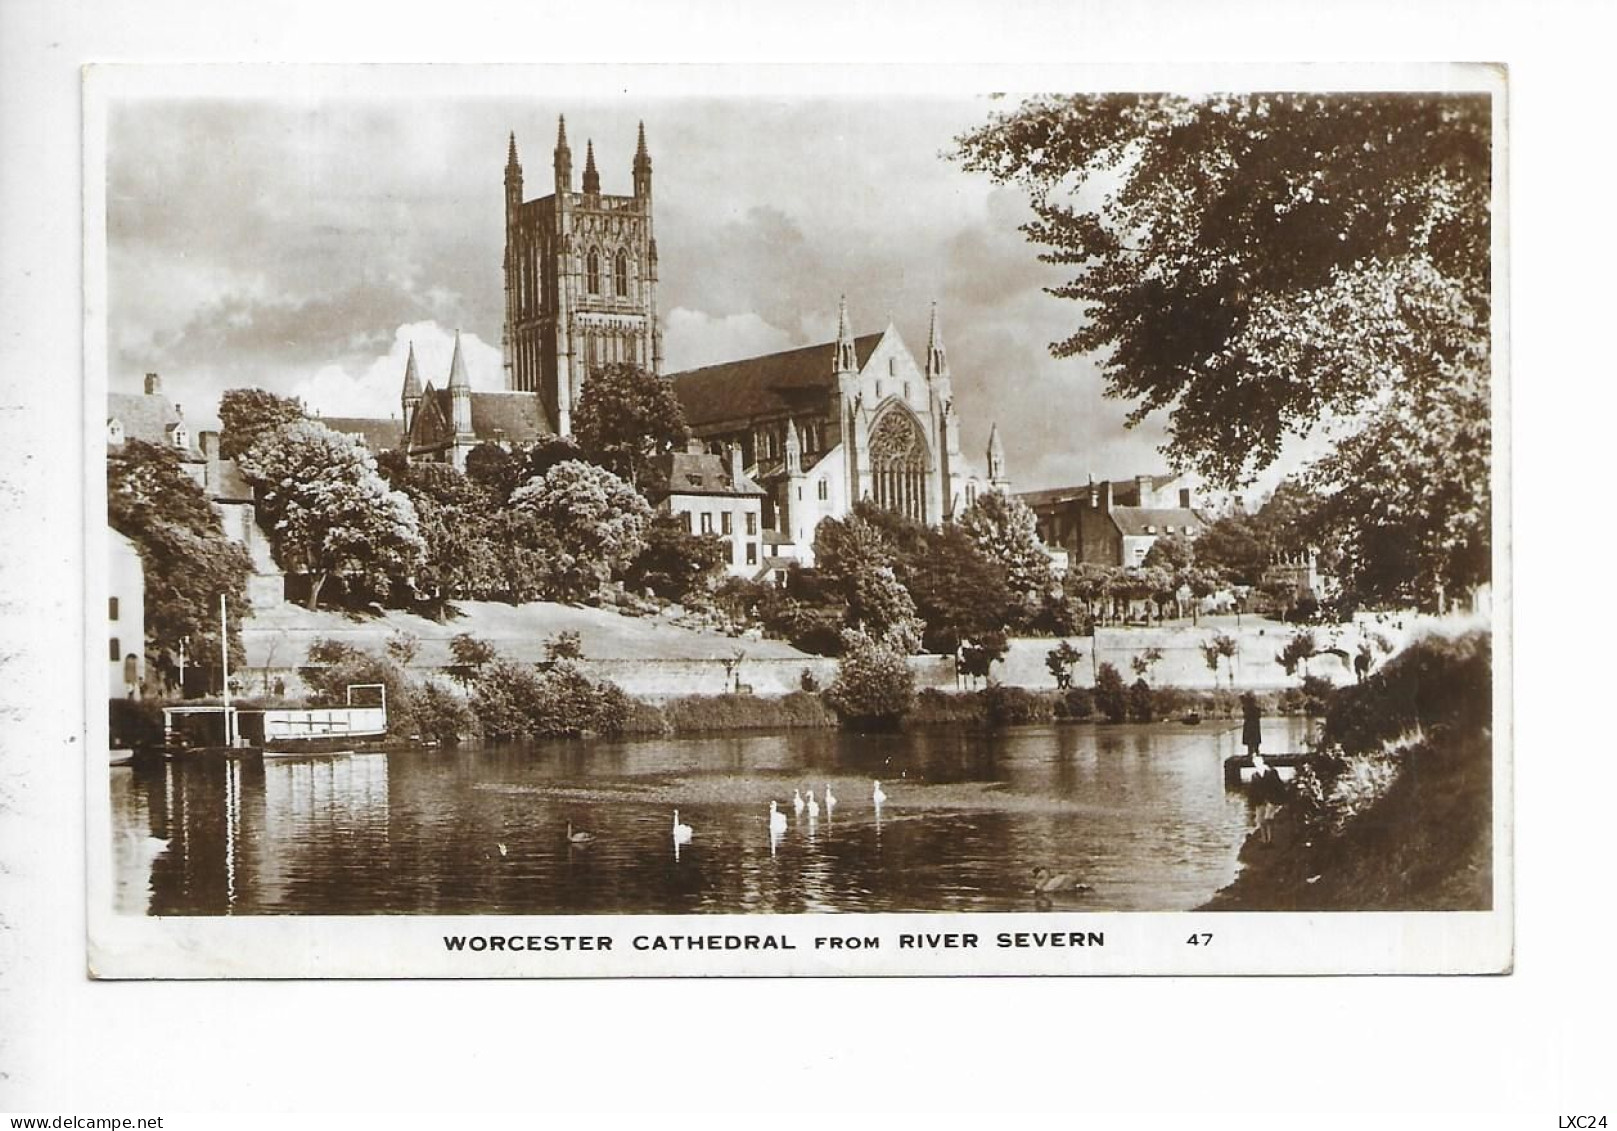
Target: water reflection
[[935, 820]]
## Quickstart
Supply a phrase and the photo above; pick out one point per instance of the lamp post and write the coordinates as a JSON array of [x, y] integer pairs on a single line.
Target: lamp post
[[184, 640]]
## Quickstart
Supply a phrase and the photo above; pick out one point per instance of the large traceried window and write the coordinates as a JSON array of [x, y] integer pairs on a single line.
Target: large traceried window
[[620, 275], [898, 465], [592, 272]]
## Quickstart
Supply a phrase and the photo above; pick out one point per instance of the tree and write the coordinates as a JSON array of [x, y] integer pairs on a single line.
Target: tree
[[247, 414], [546, 454], [454, 516], [1258, 266], [1301, 648], [329, 513], [855, 563], [874, 684], [677, 564], [1221, 646], [598, 520], [186, 561], [1145, 661], [1006, 531], [469, 656], [1093, 585], [959, 591], [626, 417], [1061, 660], [493, 469], [1111, 698], [977, 656]]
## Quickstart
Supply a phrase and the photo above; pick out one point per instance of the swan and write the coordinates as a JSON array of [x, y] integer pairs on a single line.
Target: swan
[[813, 806], [797, 802], [500, 844], [877, 795], [682, 833], [830, 799], [580, 837], [777, 819], [1044, 882]]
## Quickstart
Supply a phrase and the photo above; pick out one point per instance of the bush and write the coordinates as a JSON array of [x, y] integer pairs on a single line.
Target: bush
[[1111, 699], [698, 713], [1011, 706], [1436, 683], [935, 705], [500, 697], [874, 684], [1075, 703], [1142, 707], [441, 715]]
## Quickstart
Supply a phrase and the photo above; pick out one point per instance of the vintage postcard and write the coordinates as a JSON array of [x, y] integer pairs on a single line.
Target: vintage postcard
[[592, 521]]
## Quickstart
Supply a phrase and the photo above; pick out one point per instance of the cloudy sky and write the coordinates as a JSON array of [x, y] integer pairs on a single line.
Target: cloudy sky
[[299, 244]]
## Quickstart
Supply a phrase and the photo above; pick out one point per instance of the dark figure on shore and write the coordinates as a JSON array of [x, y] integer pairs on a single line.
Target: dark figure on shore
[[1266, 793], [1251, 724]]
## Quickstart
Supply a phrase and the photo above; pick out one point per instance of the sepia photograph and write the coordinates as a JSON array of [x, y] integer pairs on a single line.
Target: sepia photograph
[[600, 515]]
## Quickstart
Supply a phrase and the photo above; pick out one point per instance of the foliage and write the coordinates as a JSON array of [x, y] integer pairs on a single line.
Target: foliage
[[1299, 649], [979, 655], [874, 684], [627, 417], [186, 561], [494, 470], [960, 593], [329, 513], [248, 415], [1076, 703], [1142, 705], [402, 647], [1145, 661], [1271, 264], [1015, 706], [676, 564], [855, 562], [526, 553], [469, 656], [1435, 684], [441, 715], [512, 700], [1060, 661], [564, 646], [333, 665], [500, 698], [1221, 645], [1111, 699], [697, 713], [1005, 530], [546, 454], [1094, 586], [598, 520]]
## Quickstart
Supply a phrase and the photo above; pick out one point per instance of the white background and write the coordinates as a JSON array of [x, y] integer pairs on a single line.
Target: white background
[[1535, 1046]]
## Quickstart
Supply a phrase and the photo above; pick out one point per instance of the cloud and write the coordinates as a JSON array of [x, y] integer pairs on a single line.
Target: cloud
[[372, 389], [692, 338]]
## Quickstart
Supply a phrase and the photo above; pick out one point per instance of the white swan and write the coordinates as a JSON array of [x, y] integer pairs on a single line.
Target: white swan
[[777, 819], [682, 833], [580, 837], [877, 795], [813, 806], [830, 799], [797, 802]]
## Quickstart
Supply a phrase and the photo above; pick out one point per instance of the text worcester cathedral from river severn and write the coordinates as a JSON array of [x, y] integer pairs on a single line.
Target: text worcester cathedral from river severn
[[815, 429]]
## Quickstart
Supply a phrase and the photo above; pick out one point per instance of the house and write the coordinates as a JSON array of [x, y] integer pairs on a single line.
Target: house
[[1115, 523], [716, 497], [126, 618]]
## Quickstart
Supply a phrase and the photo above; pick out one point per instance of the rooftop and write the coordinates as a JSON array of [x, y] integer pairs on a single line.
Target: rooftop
[[760, 386]]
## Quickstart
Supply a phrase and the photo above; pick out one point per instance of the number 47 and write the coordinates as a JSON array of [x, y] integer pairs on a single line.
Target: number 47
[[1205, 939]]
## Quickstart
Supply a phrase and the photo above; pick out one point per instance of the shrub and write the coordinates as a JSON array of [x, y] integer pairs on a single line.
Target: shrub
[[1075, 703], [874, 684], [1060, 660], [442, 715], [808, 681], [1142, 708], [1111, 699], [564, 646], [1436, 683], [1012, 706], [500, 698], [470, 656]]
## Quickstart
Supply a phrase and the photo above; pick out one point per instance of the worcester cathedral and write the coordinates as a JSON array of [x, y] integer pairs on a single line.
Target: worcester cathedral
[[800, 435]]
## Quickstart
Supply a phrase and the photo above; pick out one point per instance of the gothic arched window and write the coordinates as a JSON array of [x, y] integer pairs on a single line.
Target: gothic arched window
[[620, 275], [899, 464], [593, 272]]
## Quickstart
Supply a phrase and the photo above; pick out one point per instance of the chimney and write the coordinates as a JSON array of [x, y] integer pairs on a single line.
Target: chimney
[[1108, 494], [211, 476], [1142, 484], [695, 447], [735, 466], [154, 384]]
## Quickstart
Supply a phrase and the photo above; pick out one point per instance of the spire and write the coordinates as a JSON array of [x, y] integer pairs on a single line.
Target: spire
[[457, 368], [511, 161], [937, 361], [642, 166], [996, 458], [846, 361], [412, 379], [564, 157], [592, 177], [794, 450]]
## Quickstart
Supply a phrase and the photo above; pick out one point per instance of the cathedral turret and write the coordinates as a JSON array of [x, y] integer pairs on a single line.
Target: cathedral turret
[[564, 157], [794, 450], [937, 361], [410, 397], [997, 478], [460, 393], [513, 177], [642, 168], [592, 176], [847, 361]]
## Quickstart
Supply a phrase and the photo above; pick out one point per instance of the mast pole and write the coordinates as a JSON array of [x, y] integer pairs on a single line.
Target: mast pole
[[224, 664]]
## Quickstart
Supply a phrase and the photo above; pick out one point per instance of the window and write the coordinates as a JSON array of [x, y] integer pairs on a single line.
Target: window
[[906, 390], [593, 274], [800, 494], [114, 652], [1149, 529], [689, 520], [752, 553], [825, 490], [707, 522], [752, 523], [620, 275], [112, 608], [892, 367], [724, 523]]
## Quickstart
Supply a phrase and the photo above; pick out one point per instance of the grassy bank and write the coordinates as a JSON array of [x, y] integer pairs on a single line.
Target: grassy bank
[[1398, 816], [702, 714]]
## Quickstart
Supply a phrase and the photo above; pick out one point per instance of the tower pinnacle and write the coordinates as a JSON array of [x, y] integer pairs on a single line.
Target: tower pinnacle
[[846, 361], [412, 379], [642, 166], [457, 367], [937, 360], [592, 176], [564, 157]]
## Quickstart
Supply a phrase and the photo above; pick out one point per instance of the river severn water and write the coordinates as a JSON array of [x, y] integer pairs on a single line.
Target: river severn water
[[1137, 812]]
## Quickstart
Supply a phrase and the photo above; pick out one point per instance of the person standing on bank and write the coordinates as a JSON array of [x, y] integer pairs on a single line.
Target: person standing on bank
[[1251, 726]]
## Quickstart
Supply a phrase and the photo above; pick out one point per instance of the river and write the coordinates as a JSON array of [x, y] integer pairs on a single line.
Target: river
[[1136, 812]]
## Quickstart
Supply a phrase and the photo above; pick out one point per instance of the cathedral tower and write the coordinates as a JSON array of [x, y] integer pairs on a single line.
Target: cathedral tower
[[580, 280]]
